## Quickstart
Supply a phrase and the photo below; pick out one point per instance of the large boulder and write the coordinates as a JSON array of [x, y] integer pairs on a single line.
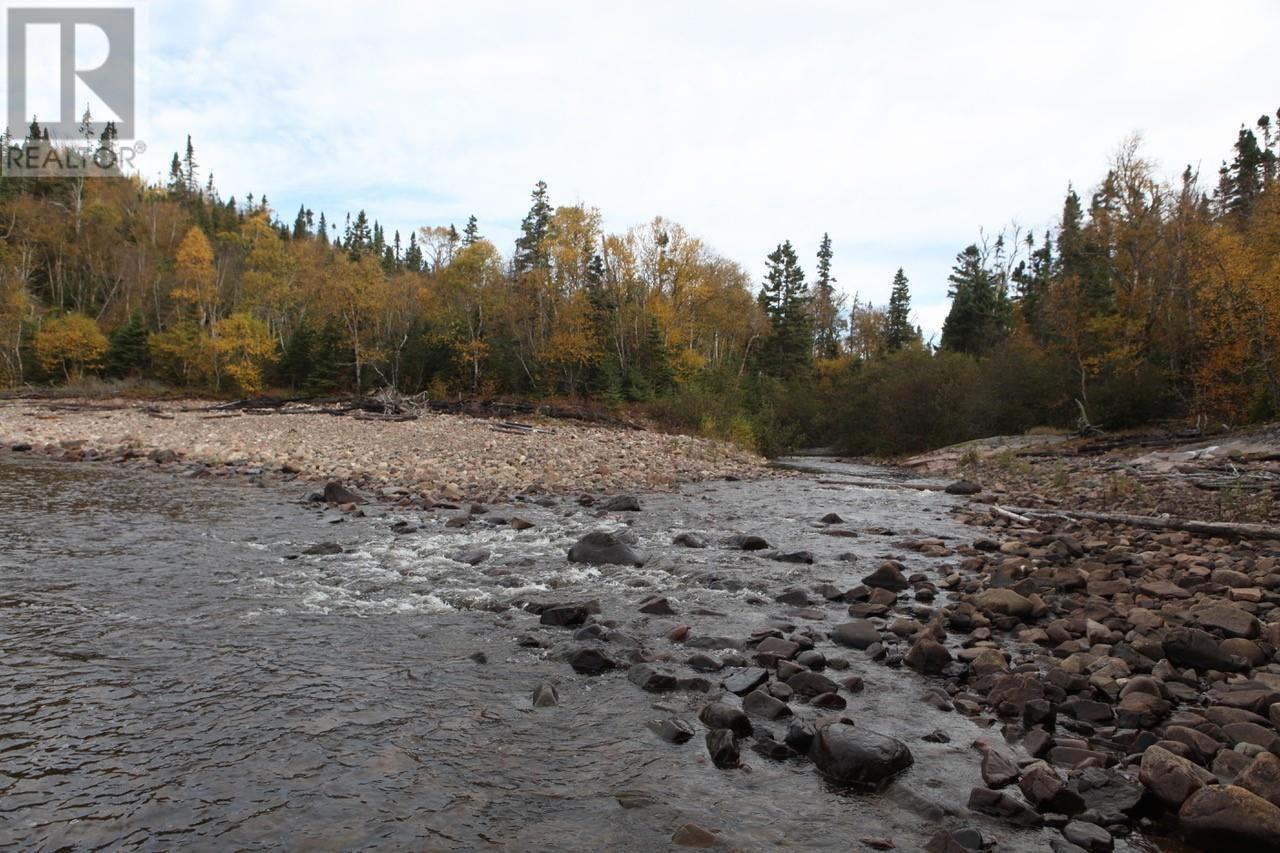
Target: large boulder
[[1262, 777], [928, 656], [1229, 621], [858, 757], [603, 548], [1171, 778], [1003, 602], [336, 493], [621, 503], [1199, 650], [1227, 817], [718, 715], [889, 576], [858, 634]]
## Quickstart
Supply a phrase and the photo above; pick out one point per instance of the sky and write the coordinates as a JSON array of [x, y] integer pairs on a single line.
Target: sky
[[902, 131]]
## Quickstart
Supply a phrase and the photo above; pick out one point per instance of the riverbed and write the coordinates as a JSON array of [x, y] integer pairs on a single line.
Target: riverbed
[[176, 671]]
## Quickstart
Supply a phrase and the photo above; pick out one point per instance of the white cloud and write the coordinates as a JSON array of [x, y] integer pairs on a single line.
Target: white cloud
[[901, 132]]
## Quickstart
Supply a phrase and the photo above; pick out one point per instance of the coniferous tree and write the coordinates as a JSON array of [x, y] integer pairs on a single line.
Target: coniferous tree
[[177, 183], [530, 252], [189, 169], [898, 330], [413, 254], [127, 353], [785, 303], [359, 238], [323, 230], [301, 223], [471, 233], [972, 325], [826, 306]]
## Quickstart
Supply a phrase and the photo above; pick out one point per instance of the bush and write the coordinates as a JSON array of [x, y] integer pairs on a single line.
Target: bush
[[71, 344]]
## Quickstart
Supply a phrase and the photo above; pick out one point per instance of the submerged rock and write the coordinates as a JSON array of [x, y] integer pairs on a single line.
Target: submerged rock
[[603, 548]]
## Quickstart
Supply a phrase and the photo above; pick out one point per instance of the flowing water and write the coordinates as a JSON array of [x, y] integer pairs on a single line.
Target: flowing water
[[174, 671]]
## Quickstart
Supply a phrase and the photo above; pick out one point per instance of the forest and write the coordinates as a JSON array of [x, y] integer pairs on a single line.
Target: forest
[[1149, 300]]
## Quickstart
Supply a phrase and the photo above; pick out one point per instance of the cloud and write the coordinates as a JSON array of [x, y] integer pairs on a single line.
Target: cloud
[[899, 131]]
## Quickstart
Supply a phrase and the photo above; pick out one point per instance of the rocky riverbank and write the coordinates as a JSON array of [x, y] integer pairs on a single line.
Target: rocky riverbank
[[439, 457]]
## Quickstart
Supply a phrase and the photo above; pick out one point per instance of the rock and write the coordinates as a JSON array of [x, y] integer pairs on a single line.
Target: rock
[[1228, 817], [1045, 790], [858, 634], [621, 503], [829, 518], [545, 696], [723, 748], [1230, 621], [473, 557], [1262, 777], [1003, 602], [778, 648], [745, 542], [858, 757], [760, 704], [1002, 805], [671, 730], [829, 702], [21, 447], [794, 597], [521, 523], [998, 769], [768, 747], [336, 493], [963, 487], [603, 548], [1088, 836], [1199, 650], [692, 835], [965, 840], [1171, 778], [589, 661], [928, 656], [742, 681], [658, 606], [718, 715], [565, 615], [888, 576], [703, 663], [648, 678], [810, 684], [802, 557], [689, 540], [1108, 794], [323, 549]]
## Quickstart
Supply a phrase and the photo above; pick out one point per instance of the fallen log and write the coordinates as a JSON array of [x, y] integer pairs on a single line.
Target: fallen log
[[1235, 530]]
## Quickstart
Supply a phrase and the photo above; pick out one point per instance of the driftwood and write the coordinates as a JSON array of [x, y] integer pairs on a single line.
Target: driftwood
[[1234, 530]]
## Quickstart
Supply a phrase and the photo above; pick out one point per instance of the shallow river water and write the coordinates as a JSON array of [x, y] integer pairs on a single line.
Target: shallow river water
[[175, 672]]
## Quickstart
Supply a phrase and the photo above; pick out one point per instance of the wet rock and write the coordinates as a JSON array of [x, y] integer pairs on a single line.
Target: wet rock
[[1003, 805], [1262, 777], [1199, 650], [963, 487], [965, 840], [810, 684], [703, 663], [21, 447], [565, 615], [740, 682], [692, 835], [323, 549], [621, 503], [521, 523], [658, 606], [745, 542], [858, 634], [723, 747], [545, 696], [672, 730], [1229, 621], [768, 747], [648, 678], [718, 715], [888, 576], [689, 540], [829, 702], [1171, 778], [758, 703], [802, 557], [1047, 792], [473, 557], [1227, 817], [1108, 794], [829, 518], [336, 493], [857, 756], [603, 548], [928, 656], [813, 659], [1088, 836], [998, 768], [794, 597], [799, 737], [589, 661]]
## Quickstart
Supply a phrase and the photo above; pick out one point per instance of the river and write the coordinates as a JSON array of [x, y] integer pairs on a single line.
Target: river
[[174, 671]]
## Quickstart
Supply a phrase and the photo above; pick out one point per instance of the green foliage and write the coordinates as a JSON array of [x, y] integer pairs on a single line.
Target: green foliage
[[127, 354]]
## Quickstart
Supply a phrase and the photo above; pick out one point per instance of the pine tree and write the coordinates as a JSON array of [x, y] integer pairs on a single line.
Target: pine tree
[[1032, 281], [359, 237], [413, 254], [899, 332], [786, 304], [826, 307], [127, 353], [301, 226], [471, 233], [530, 253], [189, 169], [177, 183], [323, 230]]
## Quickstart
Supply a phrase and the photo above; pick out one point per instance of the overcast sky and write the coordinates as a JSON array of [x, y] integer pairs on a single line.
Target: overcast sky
[[900, 131]]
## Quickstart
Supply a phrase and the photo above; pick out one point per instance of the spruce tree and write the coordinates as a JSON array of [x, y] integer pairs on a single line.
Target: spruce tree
[[471, 233], [825, 306], [189, 169], [301, 226], [127, 353], [899, 332], [530, 253], [786, 304], [971, 324], [322, 231]]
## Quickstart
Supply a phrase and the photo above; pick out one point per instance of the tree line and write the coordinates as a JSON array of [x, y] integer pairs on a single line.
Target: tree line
[[1147, 300]]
